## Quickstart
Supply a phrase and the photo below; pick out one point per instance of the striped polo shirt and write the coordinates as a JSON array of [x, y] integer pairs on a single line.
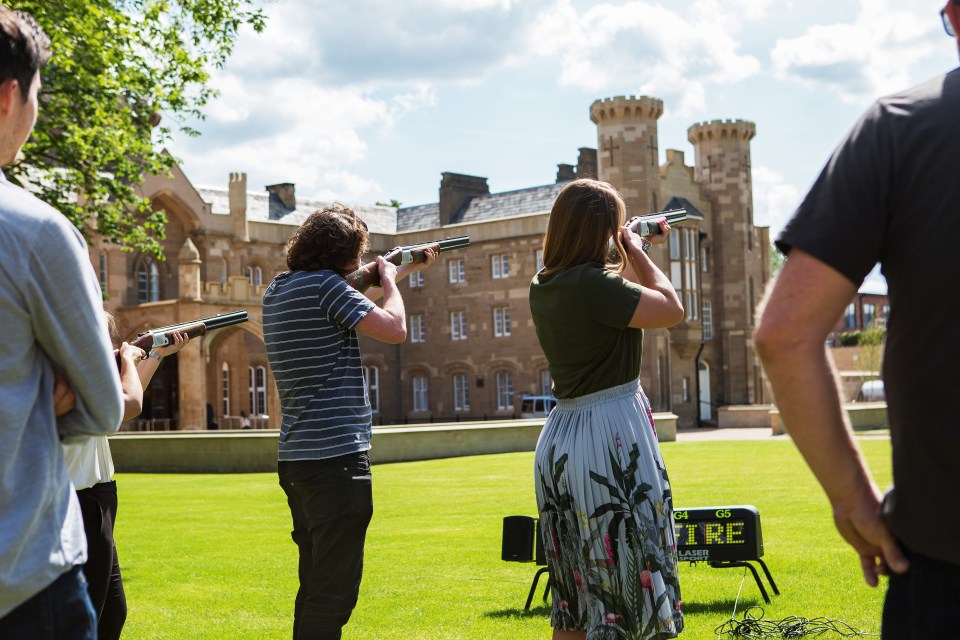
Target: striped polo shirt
[[309, 320]]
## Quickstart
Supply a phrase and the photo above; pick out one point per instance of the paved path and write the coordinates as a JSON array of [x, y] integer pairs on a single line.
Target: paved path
[[753, 433]]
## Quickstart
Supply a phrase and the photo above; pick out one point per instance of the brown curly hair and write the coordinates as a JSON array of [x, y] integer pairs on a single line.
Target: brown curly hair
[[332, 238]]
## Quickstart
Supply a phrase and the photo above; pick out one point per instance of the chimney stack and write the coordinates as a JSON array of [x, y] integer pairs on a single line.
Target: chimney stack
[[565, 173], [283, 199], [456, 189], [237, 197]]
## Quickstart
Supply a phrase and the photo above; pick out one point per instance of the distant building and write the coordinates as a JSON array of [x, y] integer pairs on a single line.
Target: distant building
[[869, 308], [471, 348]]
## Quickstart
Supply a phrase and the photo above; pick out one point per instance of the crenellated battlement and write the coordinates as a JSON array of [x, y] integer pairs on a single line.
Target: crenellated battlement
[[626, 107], [716, 130]]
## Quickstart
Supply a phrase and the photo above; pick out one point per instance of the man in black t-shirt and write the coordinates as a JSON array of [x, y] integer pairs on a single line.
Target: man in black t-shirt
[[889, 194]]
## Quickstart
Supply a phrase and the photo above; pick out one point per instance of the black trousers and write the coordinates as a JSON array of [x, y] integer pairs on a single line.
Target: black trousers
[[331, 502], [921, 604], [98, 504]]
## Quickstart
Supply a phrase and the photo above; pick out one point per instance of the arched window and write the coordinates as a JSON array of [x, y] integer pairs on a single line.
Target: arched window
[[148, 281], [421, 399], [254, 275], [258, 391], [504, 390]]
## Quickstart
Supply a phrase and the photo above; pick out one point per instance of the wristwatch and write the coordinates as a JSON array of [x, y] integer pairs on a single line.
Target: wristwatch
[[645, 246], [155, 355]]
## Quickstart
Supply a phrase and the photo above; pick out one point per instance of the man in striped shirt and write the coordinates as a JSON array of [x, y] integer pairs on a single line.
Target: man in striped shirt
[[311, 317]]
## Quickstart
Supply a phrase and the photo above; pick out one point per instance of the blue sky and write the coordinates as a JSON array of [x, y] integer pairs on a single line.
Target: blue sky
[[370, 100]]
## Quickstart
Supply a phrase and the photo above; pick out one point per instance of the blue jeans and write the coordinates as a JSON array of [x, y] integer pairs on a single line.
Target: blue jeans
[[921, 604], [62, 611], [331, 502]]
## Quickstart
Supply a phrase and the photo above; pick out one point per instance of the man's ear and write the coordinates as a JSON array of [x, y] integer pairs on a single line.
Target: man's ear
[[9, 92]]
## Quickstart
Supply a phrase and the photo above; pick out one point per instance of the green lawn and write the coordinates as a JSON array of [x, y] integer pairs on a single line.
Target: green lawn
[[209, 556]]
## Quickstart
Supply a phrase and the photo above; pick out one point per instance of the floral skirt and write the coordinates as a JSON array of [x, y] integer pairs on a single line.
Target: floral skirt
[[606, 517]]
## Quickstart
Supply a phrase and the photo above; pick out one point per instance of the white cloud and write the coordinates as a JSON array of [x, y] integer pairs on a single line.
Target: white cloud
[[774, 199], [647, 48], [874, 55]]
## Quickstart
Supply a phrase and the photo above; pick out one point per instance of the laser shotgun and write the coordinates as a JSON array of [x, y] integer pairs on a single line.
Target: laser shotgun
[[164, 335], [369, 275], [647, 225]]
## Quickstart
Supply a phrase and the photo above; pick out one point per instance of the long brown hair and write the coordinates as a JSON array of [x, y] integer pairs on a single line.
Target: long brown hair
[[585, 215]]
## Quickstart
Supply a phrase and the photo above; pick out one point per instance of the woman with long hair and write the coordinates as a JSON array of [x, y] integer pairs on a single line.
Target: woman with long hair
[[606, 511]]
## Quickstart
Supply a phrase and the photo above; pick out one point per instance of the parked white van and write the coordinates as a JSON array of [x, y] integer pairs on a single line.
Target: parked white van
[[536, 406]]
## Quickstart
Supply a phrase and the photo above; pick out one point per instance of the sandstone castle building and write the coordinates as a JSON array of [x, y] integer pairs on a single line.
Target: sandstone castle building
[[472, 349]]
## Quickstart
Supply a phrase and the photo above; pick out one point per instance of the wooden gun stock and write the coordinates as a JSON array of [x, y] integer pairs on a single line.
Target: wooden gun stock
[[163, 336], [369, 274]]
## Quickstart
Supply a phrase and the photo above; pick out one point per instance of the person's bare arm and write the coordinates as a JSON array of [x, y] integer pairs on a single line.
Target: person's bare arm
[[130, 383], [799, 310], [659, 305], [388, 323]]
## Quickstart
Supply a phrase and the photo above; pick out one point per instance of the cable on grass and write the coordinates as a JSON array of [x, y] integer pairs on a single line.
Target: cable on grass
[[755, 627]]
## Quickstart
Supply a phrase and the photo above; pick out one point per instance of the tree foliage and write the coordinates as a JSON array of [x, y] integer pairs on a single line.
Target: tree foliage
[[125, 76]]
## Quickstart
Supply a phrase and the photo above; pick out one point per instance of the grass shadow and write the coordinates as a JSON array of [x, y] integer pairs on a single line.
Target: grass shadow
[[541, 610], [720, 606]]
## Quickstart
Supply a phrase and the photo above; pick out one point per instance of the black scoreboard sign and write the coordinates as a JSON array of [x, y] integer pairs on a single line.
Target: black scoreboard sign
[[718, 534]]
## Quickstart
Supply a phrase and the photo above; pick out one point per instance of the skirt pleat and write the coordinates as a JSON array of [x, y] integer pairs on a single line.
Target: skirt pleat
[[606, 517]]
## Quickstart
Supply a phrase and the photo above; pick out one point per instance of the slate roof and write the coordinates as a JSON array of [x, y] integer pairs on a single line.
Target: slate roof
[[267, 207], [482, 207], [682, 203]]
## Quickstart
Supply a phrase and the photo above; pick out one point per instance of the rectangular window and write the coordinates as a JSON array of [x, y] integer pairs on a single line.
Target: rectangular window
[[546, 383], [261, 391], [458, 325], [461, 392], [501, 322], [420, 393], [500, 266], [685, 389], [539, 259], [869, 315], [458, 271], [371, 379], [418, 328], [850, 317], [504, 390], [225, 389], [416, 280], [707, 320], [674, 246]]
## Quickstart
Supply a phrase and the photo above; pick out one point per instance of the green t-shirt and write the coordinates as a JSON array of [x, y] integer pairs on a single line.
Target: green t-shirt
[[581, 315]]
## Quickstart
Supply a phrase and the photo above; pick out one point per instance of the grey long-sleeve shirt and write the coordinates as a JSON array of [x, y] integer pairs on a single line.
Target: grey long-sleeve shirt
[[51, 315]]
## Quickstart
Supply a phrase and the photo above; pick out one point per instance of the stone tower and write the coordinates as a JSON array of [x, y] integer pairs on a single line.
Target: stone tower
[[628, 158], [722, 166], [627, 151]]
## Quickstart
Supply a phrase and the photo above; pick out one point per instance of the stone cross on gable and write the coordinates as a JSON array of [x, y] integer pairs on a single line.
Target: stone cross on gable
[[609, 146]]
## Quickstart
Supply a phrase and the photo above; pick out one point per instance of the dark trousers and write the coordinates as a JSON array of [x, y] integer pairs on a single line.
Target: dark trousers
[[922, 603], [98, 504], [62, 611], [331, 502]]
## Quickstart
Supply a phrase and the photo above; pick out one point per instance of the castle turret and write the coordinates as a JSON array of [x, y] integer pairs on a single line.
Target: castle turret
[[723, 169], [627, 149], [188, 268]]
